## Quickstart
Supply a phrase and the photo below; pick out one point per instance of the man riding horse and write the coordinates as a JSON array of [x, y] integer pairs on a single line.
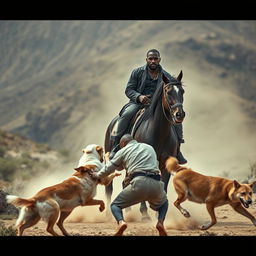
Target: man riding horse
[[140, 89]]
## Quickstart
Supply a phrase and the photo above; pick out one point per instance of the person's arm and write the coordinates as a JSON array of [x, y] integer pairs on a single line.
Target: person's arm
[[112, 165], [132, 87]]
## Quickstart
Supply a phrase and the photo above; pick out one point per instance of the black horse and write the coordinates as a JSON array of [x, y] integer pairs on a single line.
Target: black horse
[[156, 128]]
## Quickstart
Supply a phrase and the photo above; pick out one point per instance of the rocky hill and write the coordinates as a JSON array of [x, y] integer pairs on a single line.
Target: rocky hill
[[62, 82], [21, 160]]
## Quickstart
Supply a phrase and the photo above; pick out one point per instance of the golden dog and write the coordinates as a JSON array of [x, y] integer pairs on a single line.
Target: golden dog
[[213, 191], [57, 202]]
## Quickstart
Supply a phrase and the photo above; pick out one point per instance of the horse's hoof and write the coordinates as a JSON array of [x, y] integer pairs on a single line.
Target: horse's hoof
[[145, 219]]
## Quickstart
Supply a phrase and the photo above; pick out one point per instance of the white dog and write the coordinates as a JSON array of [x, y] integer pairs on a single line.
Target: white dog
[[57, 202]]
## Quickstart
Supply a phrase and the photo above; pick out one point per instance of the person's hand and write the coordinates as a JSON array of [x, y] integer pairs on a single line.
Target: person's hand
[[117, 173], [144, 99], [106, 157]]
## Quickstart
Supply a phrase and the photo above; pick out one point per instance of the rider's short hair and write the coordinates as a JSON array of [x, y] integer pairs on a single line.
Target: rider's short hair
[[154, 51]]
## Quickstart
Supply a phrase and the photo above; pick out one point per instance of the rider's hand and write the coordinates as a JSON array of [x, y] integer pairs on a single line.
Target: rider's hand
[[144, 99]]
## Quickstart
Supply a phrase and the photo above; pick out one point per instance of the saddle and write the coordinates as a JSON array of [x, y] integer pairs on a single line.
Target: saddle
[[133, 124]]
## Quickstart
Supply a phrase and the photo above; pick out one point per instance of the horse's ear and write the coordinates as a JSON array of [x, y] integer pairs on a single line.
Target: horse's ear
[[180, 76], [165, 79]]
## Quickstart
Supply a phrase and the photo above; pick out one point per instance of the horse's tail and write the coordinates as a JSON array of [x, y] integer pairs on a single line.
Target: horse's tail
[[172, 165]]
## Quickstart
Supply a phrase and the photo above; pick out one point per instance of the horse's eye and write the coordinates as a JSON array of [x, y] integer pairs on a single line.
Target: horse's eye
[[169, 92]]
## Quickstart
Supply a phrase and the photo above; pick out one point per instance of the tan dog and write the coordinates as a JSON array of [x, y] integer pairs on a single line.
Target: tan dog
[[57, 202], [213, 191]]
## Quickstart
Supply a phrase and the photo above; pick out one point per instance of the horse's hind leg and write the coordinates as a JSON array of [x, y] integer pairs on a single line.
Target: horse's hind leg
[[109, 191], [144, 212], [165, 178]]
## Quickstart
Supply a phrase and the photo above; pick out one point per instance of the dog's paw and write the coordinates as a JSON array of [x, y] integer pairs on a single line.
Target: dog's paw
[[117, 174], [185, 213], [205, 226], [102, 207]]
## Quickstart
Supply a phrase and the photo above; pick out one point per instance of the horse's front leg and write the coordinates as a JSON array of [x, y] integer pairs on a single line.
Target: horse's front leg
[[108, 192], [165, 177]]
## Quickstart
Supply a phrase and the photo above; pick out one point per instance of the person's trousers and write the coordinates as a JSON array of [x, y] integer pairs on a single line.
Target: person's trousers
[[141, 189]]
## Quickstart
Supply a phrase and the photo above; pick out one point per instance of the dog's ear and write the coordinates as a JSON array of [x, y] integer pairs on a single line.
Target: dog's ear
[[86, 168], [80, 169], [236, 184], [90, 167], [99, 148], [252, 184]]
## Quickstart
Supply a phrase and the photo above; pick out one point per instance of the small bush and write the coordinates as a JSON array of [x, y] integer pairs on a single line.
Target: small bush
[[2, 151], [253, 170], [7, 169], [7, 231]]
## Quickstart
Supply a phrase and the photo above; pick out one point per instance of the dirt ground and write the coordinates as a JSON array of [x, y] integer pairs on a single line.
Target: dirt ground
[[229, 223]]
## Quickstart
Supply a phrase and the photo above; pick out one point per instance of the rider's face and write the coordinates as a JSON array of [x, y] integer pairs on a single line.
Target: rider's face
[[153, 60]]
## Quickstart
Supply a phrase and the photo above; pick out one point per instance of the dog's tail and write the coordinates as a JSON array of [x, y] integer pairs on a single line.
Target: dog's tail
[[172, 165], [19, 202]]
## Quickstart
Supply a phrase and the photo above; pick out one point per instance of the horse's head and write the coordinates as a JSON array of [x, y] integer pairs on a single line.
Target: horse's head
[[173, 98]]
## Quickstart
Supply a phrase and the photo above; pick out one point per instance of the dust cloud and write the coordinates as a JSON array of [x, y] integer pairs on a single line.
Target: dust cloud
[[219, 141], [219, 137]]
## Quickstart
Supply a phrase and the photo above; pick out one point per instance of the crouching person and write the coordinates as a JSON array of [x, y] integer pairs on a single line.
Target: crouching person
[[140, 161]]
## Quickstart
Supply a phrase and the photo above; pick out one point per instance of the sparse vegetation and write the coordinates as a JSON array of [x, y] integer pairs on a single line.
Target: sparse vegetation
[[7, 231], [253, 170], [7, 169], [21, 158], [2, 151]]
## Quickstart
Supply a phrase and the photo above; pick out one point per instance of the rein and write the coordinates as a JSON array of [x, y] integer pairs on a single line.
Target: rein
[[169, 106]]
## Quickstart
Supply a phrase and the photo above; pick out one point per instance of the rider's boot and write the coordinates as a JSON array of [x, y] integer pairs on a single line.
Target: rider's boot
[[179, 130]]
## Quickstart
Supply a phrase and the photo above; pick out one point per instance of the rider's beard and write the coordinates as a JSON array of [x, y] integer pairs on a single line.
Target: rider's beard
[[153, 67]]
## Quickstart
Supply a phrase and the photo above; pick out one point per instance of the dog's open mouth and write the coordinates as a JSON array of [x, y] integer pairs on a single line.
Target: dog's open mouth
[[246, 205]]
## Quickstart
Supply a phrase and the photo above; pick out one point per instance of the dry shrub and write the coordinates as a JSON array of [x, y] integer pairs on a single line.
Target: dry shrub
[[7, 231]]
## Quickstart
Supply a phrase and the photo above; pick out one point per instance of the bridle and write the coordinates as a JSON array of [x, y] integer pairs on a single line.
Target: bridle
[[170, 106]]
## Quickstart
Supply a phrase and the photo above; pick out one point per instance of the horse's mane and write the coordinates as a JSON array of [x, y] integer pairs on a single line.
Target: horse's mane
[[152, 107]]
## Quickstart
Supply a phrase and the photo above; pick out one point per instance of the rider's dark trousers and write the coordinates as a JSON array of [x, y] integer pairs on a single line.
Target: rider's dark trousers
[[126, 117]]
